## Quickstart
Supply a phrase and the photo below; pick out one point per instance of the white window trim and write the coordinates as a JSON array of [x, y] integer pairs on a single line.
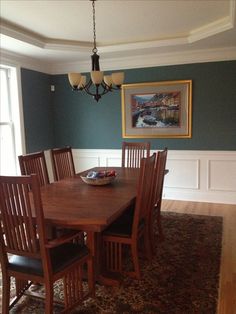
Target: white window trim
[[17, 114]]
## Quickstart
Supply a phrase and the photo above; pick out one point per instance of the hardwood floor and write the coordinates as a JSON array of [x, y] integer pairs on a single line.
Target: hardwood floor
[[227, 291]]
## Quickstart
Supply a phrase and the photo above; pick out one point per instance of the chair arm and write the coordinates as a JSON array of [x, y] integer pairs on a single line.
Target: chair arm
[[62, 239]]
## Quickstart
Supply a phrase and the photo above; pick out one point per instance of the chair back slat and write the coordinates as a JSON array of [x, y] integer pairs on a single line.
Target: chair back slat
[[132, 153], [160, 166], [18, 215], [63, 163], [144, 199], [35, 163]]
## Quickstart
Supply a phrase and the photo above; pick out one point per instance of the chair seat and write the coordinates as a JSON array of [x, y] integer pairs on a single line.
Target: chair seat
[[122, 227], [59, 259], [119, 230]]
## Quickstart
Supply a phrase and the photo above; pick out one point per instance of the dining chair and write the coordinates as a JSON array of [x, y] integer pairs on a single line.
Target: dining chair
[[132, 229], [155, 214], [63, 167], [62, 163], [35, 163], [132, 153], [29, 256]]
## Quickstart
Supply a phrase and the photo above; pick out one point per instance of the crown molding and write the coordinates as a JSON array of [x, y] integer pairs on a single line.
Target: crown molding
[[141, 61], [144, 45], [17, 60], [215, 27], [152, 60], [16, 32], [34, 39], [210, 29], [13, 31]]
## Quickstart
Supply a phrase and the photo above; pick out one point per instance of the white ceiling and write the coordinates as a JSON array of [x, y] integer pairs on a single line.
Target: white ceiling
[[59, 34]]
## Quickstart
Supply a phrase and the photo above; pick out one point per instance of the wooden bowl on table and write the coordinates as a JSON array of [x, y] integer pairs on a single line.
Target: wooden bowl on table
[[99, 178]]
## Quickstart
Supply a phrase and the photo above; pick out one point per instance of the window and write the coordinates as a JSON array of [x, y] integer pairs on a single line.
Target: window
[[11, 122]]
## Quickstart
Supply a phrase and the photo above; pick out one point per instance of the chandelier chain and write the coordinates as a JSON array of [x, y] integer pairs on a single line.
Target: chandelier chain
[[94, 29]]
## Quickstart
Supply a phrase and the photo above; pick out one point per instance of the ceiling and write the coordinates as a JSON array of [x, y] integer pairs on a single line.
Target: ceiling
[[59, 34]]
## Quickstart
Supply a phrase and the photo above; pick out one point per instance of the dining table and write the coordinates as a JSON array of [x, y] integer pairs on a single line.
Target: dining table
[[71, 203]]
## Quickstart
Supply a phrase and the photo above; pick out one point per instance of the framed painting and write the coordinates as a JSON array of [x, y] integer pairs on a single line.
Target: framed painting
[[157, 109]]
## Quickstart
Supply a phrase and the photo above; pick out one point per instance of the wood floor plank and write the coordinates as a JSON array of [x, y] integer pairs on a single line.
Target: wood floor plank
[[227, 289]]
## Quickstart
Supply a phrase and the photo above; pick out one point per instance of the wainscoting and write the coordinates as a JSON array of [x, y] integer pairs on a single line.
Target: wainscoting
[[204, 176]]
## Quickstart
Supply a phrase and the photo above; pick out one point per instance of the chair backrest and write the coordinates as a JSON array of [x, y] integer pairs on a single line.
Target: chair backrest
[[62, 163], [145, 198], [20, 212], [35, 163], [160, 166], [132, 153]]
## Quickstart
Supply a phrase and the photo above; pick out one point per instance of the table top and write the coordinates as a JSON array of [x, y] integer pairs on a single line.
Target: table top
[[72, 202]]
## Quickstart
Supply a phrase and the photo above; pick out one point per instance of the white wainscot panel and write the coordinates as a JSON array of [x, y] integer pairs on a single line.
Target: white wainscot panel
[[84, 163], [222, 175], [49, 165], [113, 162], [206, 176], [89, 158], [183, 174]]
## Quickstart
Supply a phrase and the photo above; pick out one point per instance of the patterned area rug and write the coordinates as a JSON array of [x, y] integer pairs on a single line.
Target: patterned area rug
[[183, 277]]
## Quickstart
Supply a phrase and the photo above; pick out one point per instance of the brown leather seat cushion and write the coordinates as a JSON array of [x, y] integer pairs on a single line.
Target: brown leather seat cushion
[[61, 257], [122, 227]]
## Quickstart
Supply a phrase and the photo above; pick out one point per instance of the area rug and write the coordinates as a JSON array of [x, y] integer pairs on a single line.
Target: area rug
[[183, 277]]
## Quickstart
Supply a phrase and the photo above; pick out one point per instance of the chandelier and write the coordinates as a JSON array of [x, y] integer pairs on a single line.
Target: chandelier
[[98, 84]]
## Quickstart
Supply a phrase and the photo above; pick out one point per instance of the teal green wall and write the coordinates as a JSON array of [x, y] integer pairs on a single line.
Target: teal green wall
[[81, 122], [37, 110]]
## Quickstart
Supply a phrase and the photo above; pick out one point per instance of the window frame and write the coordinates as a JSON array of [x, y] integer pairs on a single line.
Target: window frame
[[16, 119]]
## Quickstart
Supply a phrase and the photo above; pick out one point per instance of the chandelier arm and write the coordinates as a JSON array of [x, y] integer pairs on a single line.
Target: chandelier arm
[[110, 88], [103, 92], [116, 87], [86, 86], [105, 86]]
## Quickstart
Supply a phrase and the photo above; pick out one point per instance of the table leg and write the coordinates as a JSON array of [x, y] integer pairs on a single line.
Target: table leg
[[92, 243], [95, 245]]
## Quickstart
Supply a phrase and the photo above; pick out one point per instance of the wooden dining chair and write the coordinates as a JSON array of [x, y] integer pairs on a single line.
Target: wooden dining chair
[[130, 230], [29, 256], [62, 163], [155, 214], [63, 167], [35, 163], [132, 153]]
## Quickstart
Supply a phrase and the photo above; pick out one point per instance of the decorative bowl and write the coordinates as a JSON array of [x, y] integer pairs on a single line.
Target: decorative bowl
[[98, 181]]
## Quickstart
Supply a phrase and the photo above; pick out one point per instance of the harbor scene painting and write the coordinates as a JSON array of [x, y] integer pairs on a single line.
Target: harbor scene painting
[[157, 109]]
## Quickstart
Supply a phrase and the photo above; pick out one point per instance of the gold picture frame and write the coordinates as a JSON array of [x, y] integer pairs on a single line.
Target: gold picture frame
[[157, 109]]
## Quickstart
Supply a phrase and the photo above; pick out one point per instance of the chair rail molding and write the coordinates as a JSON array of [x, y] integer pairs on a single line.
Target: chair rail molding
[[194, 175]]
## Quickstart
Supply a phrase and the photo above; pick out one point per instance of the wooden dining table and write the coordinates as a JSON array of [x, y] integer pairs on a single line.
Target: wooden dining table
[[72, 203]]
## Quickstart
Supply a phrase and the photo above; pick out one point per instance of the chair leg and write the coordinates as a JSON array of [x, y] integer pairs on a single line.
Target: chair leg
[[134, 251], [5, 293], [148, 243], [156, 219], [91, 282], [150, 232], [159, 225], [49, 297]]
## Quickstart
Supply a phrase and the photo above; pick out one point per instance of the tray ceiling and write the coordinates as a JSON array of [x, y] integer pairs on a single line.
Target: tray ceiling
[[60, 32]]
